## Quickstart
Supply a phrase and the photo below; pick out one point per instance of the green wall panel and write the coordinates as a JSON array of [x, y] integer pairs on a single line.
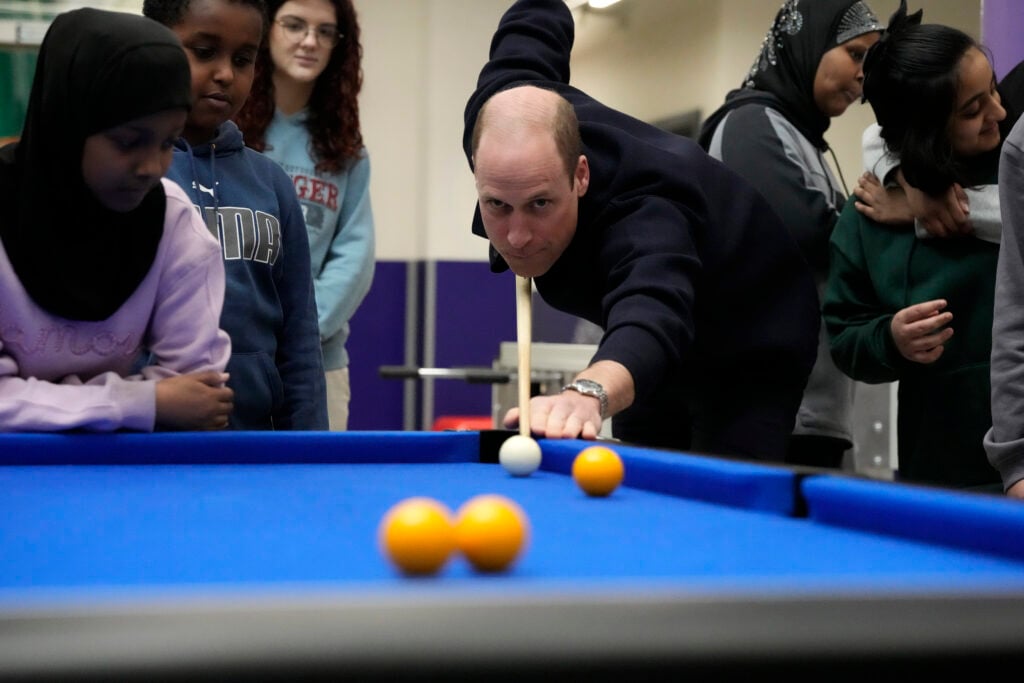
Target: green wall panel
[[17, 66]]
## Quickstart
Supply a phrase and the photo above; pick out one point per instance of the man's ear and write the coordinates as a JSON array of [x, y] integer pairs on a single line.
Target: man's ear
[[582, 176]]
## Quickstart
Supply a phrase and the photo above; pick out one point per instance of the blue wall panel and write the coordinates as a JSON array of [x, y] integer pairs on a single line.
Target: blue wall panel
[[476, 311], [378, 338]]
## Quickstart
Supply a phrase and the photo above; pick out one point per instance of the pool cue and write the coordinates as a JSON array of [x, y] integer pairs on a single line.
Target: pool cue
[[524, 337]]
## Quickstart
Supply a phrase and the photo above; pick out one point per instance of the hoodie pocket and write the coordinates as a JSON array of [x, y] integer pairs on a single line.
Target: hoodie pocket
[[258, 390]]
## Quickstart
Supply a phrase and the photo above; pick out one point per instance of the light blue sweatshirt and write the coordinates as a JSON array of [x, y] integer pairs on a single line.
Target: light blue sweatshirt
[[339, 222]]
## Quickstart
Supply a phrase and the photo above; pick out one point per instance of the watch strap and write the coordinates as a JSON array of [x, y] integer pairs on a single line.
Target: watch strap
[[589, 387]]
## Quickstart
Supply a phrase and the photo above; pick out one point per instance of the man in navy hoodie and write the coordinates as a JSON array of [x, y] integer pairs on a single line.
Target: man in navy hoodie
[[709, 312]]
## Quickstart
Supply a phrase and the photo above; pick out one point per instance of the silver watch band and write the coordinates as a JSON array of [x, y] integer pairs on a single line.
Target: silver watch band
[[589, 387]]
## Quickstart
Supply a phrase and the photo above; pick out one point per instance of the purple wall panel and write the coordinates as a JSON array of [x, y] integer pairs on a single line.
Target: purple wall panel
[[476, 311], [1002, 23], [377, 338]]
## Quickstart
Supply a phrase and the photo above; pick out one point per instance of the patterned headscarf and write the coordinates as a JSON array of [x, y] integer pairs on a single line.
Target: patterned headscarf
[[803, 31]]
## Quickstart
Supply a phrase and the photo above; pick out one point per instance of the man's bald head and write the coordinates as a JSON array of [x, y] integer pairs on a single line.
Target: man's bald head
[[511, 115]]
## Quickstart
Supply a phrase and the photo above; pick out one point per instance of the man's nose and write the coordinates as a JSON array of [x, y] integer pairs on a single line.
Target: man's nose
[[519, 232]]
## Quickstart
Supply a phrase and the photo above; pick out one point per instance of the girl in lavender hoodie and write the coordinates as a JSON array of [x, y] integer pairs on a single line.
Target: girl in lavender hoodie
[[102, 262]]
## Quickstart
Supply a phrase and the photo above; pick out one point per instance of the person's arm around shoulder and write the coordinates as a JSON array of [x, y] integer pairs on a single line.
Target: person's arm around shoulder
[[572, 414], [1004, 442], [884, 196], [879, 196]]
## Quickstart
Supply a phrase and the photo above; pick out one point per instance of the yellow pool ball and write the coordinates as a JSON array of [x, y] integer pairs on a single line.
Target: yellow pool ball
[[598, 470], [491, 531], [417, 535]]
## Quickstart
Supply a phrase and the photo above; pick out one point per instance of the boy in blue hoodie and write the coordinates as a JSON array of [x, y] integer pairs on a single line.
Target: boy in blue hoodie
[[248, 203]]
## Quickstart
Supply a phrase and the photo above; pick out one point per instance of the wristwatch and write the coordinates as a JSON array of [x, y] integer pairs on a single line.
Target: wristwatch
[[589, 387]]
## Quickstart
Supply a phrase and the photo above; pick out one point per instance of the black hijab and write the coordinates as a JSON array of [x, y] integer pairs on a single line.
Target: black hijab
[[782, 76], [96, 70]]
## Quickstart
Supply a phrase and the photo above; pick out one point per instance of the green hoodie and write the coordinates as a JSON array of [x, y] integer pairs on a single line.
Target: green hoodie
[[944, 407]]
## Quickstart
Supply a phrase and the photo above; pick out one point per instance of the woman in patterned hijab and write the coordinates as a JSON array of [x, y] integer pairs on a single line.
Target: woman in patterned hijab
[[771, 131]]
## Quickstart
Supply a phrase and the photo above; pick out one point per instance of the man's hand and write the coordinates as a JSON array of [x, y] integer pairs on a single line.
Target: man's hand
[[921, 330], [1017, 490], [197, 401], [570, 414], [567, 415], [881, 204]]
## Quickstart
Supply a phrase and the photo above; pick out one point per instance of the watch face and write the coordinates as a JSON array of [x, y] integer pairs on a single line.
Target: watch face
[[589, 385]]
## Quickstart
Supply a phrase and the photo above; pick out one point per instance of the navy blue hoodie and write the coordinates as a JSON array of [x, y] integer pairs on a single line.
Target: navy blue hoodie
[[250, 206], [691, 275]]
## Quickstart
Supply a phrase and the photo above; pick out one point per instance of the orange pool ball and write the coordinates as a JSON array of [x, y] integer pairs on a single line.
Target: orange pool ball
[[598, 470], [491, 531], [418, 535]]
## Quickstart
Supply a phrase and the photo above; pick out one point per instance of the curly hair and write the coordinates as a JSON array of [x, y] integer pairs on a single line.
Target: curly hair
[[333, 109]]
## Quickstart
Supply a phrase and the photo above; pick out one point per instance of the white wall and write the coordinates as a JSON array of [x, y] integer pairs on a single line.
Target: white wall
[[649, 58], [421, 60]]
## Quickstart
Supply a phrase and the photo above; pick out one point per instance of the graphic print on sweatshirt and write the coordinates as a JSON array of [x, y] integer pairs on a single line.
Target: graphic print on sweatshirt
[[61, 338], [244, 234], [318, 197]]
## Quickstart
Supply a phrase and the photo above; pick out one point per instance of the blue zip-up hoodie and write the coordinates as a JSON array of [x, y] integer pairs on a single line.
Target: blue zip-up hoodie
[[249, 205]]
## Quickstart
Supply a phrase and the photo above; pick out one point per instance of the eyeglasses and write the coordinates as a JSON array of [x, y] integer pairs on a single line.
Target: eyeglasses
[[327, 35]]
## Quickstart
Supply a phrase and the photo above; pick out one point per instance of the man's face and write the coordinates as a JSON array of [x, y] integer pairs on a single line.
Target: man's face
[[528, 203]]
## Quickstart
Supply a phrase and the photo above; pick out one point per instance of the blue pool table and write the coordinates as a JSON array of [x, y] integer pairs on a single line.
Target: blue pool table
[[191, 555]]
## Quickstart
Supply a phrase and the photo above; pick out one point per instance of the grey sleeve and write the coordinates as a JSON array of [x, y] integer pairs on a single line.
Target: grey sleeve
[[986, 216], [1004, 442], [770, 155]]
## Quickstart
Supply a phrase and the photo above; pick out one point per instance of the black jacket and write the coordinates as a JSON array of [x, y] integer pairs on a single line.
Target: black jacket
[[681, 262]]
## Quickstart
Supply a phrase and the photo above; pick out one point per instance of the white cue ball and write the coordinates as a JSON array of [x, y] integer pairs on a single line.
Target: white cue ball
[[519, 455]]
